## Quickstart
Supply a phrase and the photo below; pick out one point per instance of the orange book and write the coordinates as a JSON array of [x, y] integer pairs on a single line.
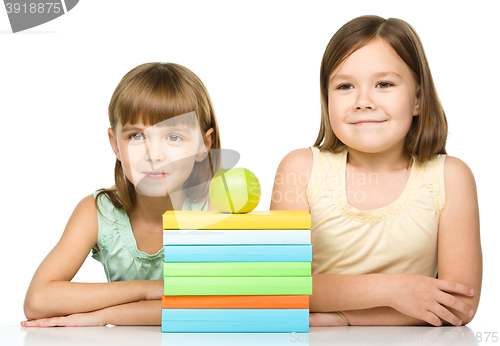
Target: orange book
[[236, 302]]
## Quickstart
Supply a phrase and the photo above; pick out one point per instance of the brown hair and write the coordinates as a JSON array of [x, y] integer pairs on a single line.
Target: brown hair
[[152, 93], [428, 131]]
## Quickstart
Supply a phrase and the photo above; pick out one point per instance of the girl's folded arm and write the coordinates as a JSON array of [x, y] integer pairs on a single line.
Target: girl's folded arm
[[382, 316], [391, 299], [52, 294], [459, 245], [332, 292], [142, 313], [145, 313]]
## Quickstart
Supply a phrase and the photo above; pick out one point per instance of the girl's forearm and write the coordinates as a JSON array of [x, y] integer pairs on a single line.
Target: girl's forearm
[[60, 298], [348, 292], [381, 316], [149, 313], [144, 313]]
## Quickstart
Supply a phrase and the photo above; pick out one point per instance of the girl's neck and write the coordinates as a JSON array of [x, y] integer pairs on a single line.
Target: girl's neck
[[378, 162], [151, 209]]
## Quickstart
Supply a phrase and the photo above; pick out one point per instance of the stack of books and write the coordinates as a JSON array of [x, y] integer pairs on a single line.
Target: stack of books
[[237, 272]]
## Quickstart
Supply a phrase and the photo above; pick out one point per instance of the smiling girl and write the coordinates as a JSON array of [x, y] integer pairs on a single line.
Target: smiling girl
[[394, 220]]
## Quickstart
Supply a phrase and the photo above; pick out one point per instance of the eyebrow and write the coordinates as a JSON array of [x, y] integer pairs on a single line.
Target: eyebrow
[[378, 75], [128, 128], [131, 128]]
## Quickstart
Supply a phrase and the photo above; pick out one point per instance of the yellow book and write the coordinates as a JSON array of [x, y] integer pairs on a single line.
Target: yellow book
[[272, 219]]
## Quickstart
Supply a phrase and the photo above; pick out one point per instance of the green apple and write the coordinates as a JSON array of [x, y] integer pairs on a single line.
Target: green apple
[[235, 190]]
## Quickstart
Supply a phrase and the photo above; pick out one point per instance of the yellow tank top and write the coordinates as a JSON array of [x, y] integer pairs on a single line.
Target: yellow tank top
[[398, 238]]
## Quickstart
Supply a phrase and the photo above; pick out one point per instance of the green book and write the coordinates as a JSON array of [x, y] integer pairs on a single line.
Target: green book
[[237, 269], [234, 286]]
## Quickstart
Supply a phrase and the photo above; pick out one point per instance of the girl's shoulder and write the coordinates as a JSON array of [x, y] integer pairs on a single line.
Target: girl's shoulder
[[291, 180], [82, 226], [102, 201], [108, 212], [298, 161], [457, 174], [299, 156], [453, 178], [453, 169], [454, 163], [305, 161]]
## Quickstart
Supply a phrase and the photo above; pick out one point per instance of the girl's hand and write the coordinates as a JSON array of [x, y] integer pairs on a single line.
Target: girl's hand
[[327, 319], [87, 319], [426, 298], [154, 290]]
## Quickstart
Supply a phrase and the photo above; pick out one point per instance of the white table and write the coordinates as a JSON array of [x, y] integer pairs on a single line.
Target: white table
[[12, 335]]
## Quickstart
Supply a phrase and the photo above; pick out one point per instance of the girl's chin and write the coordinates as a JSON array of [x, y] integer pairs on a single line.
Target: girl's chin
[[368, 149], [149, 193], [152, 188], [156, 189]]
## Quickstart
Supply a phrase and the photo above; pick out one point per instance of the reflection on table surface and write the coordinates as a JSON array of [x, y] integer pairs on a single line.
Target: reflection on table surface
[[353, 335]]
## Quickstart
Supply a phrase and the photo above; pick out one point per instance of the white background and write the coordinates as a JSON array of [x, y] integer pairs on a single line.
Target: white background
[[260, 62]]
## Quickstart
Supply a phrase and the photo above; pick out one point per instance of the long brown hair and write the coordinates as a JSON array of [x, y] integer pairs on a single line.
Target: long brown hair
[[152, 93], [428, 131]]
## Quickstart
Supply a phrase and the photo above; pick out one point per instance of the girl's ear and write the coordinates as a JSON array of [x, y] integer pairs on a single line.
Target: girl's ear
[[204, 149], [114, 143], [418, 100]]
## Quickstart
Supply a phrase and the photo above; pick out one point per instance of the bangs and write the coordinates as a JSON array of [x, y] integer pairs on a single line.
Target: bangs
[[151, 96], [341, 47]]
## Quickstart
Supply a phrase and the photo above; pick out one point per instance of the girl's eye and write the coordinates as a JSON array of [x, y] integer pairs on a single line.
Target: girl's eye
[[384, 85], [137, 136], [174, 138], [345, 86]]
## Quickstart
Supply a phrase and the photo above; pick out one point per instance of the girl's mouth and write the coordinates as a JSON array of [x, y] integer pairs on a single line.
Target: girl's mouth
[[155, 175], [369, 122]]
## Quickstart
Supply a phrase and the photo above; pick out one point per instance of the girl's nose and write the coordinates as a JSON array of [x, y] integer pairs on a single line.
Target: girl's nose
[[155, 152], [155, 156], [364, 100]]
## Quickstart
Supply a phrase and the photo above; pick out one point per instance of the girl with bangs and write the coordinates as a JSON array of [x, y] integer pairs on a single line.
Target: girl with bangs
[[163, 128], [394, 220]]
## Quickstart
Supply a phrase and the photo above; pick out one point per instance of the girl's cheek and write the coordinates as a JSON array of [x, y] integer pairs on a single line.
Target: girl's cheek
[[135, 154], [182, 153]]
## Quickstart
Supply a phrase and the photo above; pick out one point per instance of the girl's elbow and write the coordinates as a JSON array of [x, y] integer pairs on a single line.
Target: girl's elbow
[[29, 310], [316, 304], [474, 305], [467, 319], [33, 306], [29, 313]]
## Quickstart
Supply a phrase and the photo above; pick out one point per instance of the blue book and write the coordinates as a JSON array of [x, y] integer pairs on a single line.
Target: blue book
[[239, 339], [235, 320], [238, 253]]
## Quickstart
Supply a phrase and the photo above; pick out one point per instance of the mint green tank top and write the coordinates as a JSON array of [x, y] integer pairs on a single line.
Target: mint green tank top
[[118, 252]]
